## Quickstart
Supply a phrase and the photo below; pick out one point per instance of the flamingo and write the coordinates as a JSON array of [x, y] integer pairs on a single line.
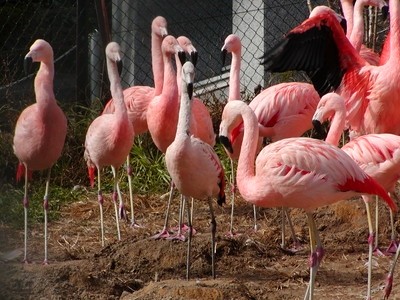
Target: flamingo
[[193, 165], [355, 26], [295, 172], [40, 131], [233, 45], [137, 98], [283, 110], [376, 154], [371, 93], [109, 137], [202, 123]]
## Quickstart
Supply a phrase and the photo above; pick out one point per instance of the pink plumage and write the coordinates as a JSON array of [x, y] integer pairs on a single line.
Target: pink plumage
[[41, 127], [137, 98], [295, 172], [193, 165], [109, 137]]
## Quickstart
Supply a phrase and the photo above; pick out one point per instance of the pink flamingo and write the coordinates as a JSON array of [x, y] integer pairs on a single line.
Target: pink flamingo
[[295, 172], [40, 130], [371, 93], [354, 16], [233, 45], [137, 98], [110, 136], [193, 165], [162, 113], [377, 154], [283, 110]]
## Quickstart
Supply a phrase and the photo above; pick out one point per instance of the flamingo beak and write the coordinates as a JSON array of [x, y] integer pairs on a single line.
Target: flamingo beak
[[194, 55], [385, 12], [223, 56], [28, 62], [119, 66], [190, 89], [182, 57], [226, 143], [321, 134]]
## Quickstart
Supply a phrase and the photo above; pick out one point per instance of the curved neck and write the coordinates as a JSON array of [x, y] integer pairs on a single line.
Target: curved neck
[[234, 76], [178, 73], [170, 87], [116, 88], [347, 7], [336, 127], [357, 33], [183, 126], [157, 63], [246, 168], [44, 83]]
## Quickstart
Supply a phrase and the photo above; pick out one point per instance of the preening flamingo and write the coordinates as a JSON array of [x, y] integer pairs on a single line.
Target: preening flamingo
[[295, 172], [138, 97], [109, 137], [371, 93], [40, 130], [193, 165], [378, 155]]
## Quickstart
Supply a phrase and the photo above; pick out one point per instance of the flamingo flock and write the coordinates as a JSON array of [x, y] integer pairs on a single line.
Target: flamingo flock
[[276, 165]]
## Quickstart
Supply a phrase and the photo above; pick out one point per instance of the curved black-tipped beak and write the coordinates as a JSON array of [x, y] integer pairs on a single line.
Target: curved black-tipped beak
[[321, 134], [385, 12], [223, 56], [226, 143], [194, 55], [190, 89], [182, 57], [28, 62], [119, 66]]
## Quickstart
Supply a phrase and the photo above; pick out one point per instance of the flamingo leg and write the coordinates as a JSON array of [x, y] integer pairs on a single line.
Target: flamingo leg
[[371, 237], [376, 248], [164, 232], [45, 209], [213, 230], [121, 212], [26, 206], [116, 194], [189, 247], [389, 279], [179, 235], [233, 187], [296, 243], [101, 201], [255, 218], [392, 248], [129, 173], [283, 228], [316, 256]]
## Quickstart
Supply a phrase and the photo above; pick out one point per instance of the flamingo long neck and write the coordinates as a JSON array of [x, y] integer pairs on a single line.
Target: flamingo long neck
[[44, 83], [336, 128], [394, 31], [178, 73], [183, 127], [170, 88], [347, 7], [246, 168], [234, 76], [357, 33], [116, 89], [157, 63]]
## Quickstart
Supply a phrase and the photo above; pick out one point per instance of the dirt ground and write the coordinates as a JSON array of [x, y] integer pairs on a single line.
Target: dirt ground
[[251, 265]]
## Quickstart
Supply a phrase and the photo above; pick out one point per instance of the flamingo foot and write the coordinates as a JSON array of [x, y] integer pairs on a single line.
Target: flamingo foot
[[45, 262], [378, 252], [232, 234], [294, 248], [177, 237], [392, 248], [135, 225], [184, 229], [164, 233]]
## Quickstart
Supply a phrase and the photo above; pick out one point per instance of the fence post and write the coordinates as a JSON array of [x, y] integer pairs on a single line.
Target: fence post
[[81, 51]]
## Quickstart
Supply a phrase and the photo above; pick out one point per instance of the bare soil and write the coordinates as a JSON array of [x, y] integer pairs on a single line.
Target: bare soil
[[251, 265]]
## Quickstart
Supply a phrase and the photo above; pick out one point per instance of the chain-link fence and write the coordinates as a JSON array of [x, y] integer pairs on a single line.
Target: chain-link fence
[[77, 30]]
